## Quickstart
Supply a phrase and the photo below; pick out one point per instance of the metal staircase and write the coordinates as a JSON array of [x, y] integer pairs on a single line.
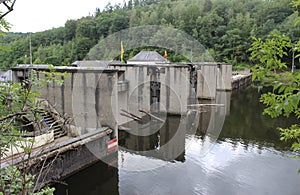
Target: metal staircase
[[53, 124], [52, 119]]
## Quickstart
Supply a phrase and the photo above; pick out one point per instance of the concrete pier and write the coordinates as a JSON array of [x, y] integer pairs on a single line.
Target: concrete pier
[[88, 96], [64, 157], [155, 88], [94, 97], [211, 77], [241, 80], [207, 81], [88, 101]]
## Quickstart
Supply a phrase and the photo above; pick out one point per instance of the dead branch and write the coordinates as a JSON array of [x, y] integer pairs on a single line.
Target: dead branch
[[152, 116], [133, 115]]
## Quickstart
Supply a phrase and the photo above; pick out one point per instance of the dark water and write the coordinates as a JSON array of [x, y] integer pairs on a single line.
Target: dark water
[[244, 157]]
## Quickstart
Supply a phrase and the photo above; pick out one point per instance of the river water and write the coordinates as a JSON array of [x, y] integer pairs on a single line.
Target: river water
[[245, 156]]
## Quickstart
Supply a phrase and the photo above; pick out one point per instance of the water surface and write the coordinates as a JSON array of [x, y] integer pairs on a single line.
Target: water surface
[[246, 157]]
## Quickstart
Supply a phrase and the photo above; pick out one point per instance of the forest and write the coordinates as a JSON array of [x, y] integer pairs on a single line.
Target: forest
[[224, 27]]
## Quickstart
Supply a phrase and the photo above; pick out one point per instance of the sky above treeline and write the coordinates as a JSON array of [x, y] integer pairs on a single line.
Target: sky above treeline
[[40, 15]]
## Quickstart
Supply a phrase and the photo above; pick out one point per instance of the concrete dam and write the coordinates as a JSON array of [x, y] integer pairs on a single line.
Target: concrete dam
[[100, 97]]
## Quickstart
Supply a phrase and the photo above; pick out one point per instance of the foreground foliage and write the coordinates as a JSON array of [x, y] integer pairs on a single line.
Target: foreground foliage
[[19, 117], [20, 111], [285, 98]]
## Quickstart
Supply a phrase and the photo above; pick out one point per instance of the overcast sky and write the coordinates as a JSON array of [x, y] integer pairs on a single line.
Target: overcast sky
[[39, 15]]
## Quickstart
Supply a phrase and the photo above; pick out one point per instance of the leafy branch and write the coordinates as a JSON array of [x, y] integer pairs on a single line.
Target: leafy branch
[[270, 69], [19, 110]]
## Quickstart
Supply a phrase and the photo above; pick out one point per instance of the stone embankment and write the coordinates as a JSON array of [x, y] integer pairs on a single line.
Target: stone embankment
[[241, 79]]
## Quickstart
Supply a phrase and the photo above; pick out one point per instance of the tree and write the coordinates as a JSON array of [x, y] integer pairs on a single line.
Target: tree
[[130, 4], [70, 30], [222, 26], [272, 70], [20, 110], [87, 28], [83, 46], [207, 6]]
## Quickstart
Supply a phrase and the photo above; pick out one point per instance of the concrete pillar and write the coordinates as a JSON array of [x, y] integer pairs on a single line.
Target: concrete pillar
[[108, 96], [175, 88], [224, 77], [207, 81], [68, 95]]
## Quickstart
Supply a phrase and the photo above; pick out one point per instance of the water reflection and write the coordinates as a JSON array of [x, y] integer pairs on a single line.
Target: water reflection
[[222, 171], [247, 125], [99, 178], [166, 143], [247, 157]]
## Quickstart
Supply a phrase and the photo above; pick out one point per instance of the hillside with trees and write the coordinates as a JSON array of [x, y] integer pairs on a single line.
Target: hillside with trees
[[224, 27]]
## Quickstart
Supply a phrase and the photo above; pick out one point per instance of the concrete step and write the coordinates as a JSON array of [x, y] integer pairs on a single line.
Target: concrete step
[[50, 121], [56, 129], [55, 126], [59, 133]]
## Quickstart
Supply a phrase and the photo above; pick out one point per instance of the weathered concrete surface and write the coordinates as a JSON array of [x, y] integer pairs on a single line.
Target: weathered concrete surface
[[64, 156], [207, 81], [241, 80], [90, 98], [87, 96], [211, 77], [224, 77], [173, 91], [76, 155]]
